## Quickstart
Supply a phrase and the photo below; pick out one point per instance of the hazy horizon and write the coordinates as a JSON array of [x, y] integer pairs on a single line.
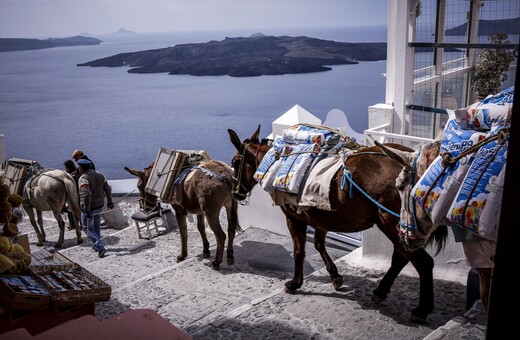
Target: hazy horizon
[[64, 18]]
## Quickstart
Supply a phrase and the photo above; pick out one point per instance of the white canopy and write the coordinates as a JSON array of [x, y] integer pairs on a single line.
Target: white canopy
[[295, 115]]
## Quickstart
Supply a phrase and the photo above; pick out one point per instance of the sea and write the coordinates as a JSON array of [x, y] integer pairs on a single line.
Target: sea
[[50, 107]]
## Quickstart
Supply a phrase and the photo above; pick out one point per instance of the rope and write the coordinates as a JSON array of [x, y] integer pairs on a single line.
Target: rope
[[501, 142], [448, 159], [349, 178]]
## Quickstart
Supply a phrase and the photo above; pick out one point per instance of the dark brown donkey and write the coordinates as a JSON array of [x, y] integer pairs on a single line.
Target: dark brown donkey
[[206, 190], [416, 226], [375, 174]]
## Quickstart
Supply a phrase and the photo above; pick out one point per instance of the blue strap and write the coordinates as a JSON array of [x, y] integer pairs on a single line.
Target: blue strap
[[181, 177], [347, 175], [209, 172]]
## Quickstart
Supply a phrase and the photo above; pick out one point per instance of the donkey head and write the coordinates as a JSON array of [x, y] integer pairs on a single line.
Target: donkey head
[[415, 226], [249, 154], [147, 201]]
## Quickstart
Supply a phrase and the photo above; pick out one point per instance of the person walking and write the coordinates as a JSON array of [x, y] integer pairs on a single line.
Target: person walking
[[71, 169], [78, 154], [93, 188]]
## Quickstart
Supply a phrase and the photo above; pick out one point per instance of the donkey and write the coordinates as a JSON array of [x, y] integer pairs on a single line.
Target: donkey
[[416, 226], [206, 190], [375, 174], [48, 190]]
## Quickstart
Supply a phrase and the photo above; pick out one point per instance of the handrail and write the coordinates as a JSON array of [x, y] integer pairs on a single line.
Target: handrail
[[372, 134]]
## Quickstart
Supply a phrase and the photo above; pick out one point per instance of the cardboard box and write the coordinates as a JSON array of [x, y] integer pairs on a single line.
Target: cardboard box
[[23, 240]]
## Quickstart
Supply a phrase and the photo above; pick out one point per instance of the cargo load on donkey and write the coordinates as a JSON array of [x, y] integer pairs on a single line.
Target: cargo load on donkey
[[170, 169], [18, 171]]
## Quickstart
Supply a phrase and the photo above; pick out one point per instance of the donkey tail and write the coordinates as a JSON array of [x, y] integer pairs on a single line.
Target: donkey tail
[[234, 216], [73, 198]]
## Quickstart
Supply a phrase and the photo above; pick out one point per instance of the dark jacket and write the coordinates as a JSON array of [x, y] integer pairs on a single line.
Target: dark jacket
[[93, 188]]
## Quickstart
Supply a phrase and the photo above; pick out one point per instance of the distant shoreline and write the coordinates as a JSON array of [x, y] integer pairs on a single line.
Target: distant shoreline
[[23, 44]]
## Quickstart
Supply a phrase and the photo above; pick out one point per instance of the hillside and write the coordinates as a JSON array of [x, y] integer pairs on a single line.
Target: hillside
[[20, 44], [246, 57], [487, 27]]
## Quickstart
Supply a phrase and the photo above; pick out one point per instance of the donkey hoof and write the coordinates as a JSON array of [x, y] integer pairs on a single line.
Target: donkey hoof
[[215, 265], [289, 288], [417, 319], [39, 244], [206, 254], [80, 240], [337, 282], [230, 261], [180, 258], [377, 296], [57, 245]]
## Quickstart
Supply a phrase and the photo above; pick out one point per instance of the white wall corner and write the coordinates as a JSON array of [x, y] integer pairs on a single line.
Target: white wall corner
[[380, 114]]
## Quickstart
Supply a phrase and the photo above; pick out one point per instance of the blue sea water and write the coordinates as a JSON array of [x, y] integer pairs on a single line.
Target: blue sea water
[[50, 107]]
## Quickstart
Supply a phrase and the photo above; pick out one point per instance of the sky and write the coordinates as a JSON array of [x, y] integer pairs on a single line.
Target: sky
[[65, 18]]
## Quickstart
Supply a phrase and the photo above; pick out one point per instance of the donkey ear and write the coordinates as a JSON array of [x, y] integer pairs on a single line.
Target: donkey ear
[[404, 158], [136, 173], [254, 137], [235, 140]]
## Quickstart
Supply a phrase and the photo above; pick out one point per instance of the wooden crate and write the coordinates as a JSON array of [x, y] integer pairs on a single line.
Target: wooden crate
[[167, 167], [49, 259], [14, 177], [23, 292], [72, 285], [18, 170]]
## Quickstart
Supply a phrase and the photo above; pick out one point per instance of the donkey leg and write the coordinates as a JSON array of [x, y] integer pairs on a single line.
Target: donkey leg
[[485, 283], [231, 231], [40, 224], [423, 263], [384, 286], [298, 232], [61, 225], [180, 216], [201, 227], [78, 233], [319, 245], [30, 212], [220, 237]]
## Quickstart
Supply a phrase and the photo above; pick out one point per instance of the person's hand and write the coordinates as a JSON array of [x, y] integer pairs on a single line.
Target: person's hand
[[87, 215], [110, 205]]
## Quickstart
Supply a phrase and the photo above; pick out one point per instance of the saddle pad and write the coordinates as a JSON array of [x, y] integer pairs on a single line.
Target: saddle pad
[[315, 192]]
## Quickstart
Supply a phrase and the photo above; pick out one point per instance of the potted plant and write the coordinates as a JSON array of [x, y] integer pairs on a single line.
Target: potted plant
[[492, 68]]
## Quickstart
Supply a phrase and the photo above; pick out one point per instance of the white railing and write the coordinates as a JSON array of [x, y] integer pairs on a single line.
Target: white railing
[[380, 134]]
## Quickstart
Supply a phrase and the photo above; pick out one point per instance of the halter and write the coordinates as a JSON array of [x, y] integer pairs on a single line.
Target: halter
[[236, 191], [412, 203]]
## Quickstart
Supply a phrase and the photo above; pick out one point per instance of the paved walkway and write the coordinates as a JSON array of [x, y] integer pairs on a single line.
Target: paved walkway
[[246, 300]]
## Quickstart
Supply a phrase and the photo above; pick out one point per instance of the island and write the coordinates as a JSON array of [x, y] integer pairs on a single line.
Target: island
[[256, 55], [21, 44]]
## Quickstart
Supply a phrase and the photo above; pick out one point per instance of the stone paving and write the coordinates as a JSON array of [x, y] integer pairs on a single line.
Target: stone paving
[[246, 300]]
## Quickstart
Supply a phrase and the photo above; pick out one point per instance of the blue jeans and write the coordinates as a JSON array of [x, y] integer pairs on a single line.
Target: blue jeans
[[93, 229]]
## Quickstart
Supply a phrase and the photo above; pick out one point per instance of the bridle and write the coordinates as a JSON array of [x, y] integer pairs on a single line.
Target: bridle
[[405, 228], [145, 203], [243, 198]]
